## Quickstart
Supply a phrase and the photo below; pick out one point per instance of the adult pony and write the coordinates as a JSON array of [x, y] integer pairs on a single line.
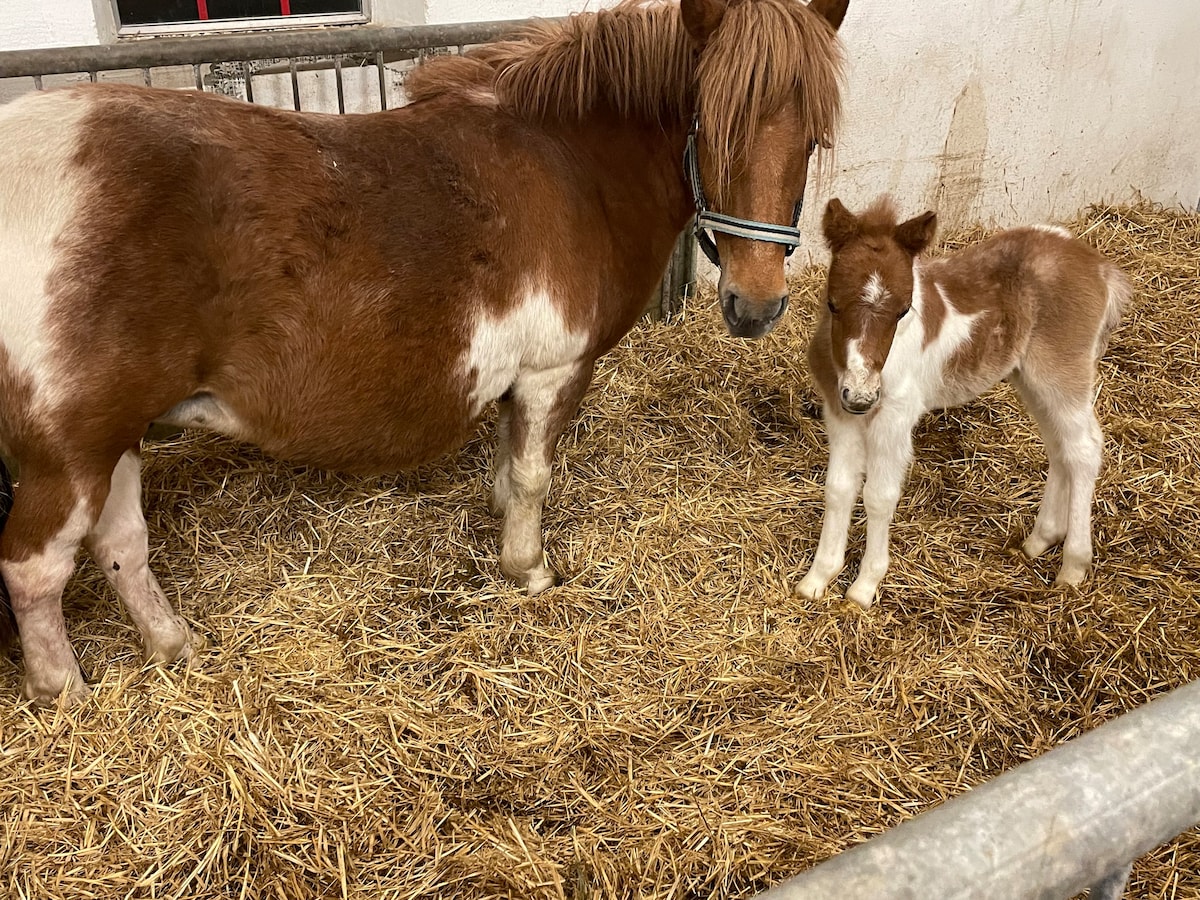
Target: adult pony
[[353, 291]]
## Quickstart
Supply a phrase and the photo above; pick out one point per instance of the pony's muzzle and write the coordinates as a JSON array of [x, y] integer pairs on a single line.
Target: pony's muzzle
[[859, 402], [746, 318]]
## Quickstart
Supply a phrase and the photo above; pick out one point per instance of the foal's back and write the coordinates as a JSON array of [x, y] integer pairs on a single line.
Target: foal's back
[[1040, 301]]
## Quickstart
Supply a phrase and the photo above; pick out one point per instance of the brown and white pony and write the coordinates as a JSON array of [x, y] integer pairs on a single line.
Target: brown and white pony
[[354, 291], [902, 336]]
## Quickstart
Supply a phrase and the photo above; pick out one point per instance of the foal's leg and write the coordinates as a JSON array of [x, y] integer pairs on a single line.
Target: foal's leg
[[542, 405], [847, 462], [889, 453], [1050, 526], [51, 513], [118, 544], [1075, 446], [502, 467]]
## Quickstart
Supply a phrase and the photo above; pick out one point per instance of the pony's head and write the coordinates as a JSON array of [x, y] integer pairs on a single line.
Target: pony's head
[[869, 292], [767, 93]]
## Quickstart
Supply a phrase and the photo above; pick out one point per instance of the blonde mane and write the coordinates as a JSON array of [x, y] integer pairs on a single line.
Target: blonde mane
[[637, 59]]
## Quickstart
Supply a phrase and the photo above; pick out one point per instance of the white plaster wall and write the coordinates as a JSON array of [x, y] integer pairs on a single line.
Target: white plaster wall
[[29, 24], [1012, 111], [446, 11]]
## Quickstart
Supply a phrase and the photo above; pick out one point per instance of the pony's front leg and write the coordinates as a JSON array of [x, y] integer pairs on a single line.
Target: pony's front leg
[[118, 544], [51, 513], [889, 453], [543, 402], [843, 479]]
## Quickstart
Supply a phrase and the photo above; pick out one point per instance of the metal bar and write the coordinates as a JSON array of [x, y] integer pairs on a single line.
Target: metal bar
[[1052, 827], [199, 77], [235, 48], [146, 76], [92, 76], [248, 75], [337, 77], [382, 81], [295, 84], [37, 83]]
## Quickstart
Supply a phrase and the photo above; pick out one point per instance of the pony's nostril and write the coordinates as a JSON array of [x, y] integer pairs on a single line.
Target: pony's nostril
[[845, 395]]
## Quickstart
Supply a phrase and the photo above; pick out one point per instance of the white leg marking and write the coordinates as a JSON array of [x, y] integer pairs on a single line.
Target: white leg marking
[[847, 461], [889, 453], [35, 587], [1083, 447], [502, 466], [117, 543]]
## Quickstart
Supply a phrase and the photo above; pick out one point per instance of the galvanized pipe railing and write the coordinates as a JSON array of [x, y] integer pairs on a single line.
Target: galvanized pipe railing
[[401, 42], [1070, 820]]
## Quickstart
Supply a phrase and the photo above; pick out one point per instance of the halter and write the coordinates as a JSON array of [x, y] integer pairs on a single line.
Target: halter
[[707, 220]]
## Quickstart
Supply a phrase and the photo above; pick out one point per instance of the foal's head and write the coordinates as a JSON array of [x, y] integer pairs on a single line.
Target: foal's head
[[869, 292], [767, 93]]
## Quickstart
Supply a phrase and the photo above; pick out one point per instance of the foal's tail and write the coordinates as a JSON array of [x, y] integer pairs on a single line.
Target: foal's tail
[[1120, 294], [8, 621]]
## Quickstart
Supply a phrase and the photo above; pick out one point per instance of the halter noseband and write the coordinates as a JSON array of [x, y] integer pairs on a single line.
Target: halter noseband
[[707, 220]]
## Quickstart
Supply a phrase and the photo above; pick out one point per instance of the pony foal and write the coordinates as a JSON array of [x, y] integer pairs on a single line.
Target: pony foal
[[901, 336]]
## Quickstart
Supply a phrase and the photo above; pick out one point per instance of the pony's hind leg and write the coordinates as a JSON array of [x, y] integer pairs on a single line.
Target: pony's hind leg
[[118, 544], [542, 404], [502, 466], [1074, 447], [51, 513]]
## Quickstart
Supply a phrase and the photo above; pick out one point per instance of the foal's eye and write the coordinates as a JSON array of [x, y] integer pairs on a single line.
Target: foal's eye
[[832, 308], [904, 312]]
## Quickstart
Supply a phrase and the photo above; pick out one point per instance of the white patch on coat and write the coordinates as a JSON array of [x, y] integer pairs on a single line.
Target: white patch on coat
[[40, 191], [1054, 229], [858, 376], [914, 374], [874, 292], [532, 337]]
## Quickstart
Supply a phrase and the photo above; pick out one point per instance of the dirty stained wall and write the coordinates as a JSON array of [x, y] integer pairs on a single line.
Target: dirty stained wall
[[1003, 111]]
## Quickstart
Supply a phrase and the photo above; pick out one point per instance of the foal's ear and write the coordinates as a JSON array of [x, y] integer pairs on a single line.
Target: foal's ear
[[832, 11], [839, 224], [702, 17], [917, 233]]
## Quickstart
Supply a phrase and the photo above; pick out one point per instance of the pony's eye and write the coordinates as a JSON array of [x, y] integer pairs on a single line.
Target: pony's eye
[[904, 312], [832, 308]]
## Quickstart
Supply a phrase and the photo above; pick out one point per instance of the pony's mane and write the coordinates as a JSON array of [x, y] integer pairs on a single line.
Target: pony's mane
[[879, 218], [637, 59]]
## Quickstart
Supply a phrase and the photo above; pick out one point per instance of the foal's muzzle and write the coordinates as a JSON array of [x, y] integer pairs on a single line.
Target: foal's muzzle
[[857, 403], [751, 319]]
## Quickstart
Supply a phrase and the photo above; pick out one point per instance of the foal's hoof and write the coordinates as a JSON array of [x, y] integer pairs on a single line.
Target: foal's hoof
[[809, 588], [861, 596], [1071, 575], [539, 580]]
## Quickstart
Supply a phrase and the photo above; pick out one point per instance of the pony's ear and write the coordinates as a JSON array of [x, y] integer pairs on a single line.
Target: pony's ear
[[701, 18], [840, 225], [832, 11], [917, 233]]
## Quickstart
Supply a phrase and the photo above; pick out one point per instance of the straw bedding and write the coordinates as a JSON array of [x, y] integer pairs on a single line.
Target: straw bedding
[[379, 715]]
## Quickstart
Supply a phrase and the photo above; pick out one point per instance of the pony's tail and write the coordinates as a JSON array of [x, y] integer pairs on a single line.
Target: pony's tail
[[8, 621], [1120, 294]]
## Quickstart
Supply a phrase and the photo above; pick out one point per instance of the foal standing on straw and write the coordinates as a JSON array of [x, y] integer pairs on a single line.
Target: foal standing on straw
[[902, 336], [353, 292]]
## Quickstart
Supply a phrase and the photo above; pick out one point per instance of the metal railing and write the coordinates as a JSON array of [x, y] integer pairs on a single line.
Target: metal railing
[[235, 61], [1070, 820]]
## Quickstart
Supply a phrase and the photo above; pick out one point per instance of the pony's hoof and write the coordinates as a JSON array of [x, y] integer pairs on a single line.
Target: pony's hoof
[[175, 645], [1035, 545], [76, 693], [1070, 576], [861, 596], [539, 580], [809, 588]]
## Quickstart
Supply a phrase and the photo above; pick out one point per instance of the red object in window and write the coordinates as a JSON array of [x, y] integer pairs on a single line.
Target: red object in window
[[285, 7], [202, 9]]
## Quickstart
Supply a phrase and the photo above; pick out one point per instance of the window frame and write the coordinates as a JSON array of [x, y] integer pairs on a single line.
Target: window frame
[[221, 26]]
